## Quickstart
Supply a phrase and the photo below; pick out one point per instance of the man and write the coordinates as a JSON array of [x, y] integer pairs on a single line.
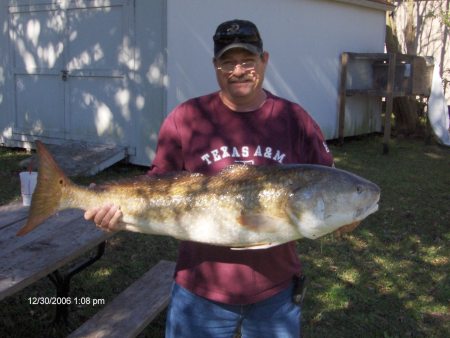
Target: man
[[218, 290]]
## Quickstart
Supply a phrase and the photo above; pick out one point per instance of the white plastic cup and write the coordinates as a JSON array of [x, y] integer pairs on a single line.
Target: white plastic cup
[[28, 181]]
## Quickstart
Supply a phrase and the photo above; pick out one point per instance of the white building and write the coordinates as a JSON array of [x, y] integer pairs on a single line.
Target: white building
[[109, 71]]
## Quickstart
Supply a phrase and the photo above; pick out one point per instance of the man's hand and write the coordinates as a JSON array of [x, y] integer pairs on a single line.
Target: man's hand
[[106, 217]]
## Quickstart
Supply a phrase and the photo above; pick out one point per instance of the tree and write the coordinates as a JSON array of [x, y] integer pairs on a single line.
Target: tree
[[418, 20], [404, 108]]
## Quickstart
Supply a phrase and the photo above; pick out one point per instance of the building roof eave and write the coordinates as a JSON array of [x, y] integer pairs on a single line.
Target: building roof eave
[[375, 4]]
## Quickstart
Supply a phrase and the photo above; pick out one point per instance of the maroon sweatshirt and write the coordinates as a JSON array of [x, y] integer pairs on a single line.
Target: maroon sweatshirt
[[203, 135]]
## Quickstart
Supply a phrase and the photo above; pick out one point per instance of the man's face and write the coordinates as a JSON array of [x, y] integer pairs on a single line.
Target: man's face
[[240, 74]]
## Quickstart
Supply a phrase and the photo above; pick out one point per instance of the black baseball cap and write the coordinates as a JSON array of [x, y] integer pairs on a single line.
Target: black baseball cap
[[237, 34]]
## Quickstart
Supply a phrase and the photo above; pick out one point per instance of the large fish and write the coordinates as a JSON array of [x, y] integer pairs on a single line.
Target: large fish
[[241, 207]]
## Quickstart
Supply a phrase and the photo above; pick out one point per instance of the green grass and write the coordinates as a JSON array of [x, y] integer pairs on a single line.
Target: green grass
[[9, 174], [388, 278]]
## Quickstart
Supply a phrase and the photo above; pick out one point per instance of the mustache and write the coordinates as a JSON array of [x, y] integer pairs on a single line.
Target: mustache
[[243, 78]]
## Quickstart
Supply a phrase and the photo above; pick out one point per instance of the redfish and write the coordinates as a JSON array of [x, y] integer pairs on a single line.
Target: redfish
[[243, 206]]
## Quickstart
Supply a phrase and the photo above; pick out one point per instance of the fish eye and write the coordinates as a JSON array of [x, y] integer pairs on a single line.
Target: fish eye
[[359, 189]]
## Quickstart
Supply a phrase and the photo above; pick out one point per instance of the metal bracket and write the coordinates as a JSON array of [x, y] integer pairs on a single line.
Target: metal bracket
[[62, 283], [64, 74]]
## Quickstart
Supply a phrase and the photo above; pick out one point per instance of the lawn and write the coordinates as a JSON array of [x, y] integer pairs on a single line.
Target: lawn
[[388, 278]]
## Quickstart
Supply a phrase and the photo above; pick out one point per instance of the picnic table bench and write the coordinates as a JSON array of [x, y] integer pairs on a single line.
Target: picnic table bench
[[44, 251], [59, 241], [132, 310]]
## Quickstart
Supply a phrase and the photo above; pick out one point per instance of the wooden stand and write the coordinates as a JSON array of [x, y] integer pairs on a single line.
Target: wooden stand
[[388, 80]]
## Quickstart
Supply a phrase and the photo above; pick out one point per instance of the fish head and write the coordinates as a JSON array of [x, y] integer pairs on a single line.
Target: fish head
[[331, 199]]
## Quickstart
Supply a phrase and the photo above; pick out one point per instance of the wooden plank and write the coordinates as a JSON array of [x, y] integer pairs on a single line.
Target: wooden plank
[[131, 311], [368, 56], [389, 102], [422, 75], [342, 95], [11, 213], [9, 241], [81, 158], [374, 92], [31, 257]]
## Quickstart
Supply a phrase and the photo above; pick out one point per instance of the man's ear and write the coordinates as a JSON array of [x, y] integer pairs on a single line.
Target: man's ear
[[265, 57]]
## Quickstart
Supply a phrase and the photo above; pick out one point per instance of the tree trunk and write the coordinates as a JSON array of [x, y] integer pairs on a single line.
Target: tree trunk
[[404, 108]]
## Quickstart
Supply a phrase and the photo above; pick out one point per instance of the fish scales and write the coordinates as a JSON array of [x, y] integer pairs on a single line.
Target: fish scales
[[242, 206]]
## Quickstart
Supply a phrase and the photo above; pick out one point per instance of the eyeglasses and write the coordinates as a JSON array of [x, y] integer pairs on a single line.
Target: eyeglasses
[[229, 67]]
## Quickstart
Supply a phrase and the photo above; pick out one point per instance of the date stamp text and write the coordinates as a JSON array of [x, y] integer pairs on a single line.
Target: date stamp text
[[66, 301]]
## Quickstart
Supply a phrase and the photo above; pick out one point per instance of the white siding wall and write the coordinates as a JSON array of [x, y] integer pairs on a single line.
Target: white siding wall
[[304, 39], [5, 112], [172, 44], [114, 90]]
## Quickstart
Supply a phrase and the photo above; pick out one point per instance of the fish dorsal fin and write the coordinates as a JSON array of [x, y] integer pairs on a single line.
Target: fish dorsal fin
[[257, 222], [238, 170]]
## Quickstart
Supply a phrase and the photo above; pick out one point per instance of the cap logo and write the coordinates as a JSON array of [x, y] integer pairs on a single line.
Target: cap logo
[[234, 28]]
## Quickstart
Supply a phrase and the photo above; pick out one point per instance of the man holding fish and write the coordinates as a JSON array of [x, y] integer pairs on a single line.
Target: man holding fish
[[218, 290]]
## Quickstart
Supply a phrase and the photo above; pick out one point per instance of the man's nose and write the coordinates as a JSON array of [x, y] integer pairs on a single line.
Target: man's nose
[[238, 70]]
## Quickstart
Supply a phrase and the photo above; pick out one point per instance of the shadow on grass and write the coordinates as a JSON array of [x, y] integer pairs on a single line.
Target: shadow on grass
[[389, 278]]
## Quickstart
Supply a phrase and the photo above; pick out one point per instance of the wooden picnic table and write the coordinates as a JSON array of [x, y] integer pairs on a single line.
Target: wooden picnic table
[[42, 252]]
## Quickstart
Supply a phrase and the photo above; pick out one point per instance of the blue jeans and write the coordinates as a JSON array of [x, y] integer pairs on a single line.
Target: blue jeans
[[191, 316]]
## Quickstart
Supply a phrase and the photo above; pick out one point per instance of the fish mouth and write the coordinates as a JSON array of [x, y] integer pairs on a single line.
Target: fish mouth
[[373, 208], [363, 213]]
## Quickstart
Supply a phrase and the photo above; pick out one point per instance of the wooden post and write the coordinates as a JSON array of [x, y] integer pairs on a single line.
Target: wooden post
[[342, 96], [389, 102]]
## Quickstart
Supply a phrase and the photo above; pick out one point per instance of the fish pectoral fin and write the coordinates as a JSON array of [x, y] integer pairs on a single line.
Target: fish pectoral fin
[[257, 246], [257, 222], [346, 228]]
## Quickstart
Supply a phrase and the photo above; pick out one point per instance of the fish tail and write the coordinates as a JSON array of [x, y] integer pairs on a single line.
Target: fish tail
[[47, 195]]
